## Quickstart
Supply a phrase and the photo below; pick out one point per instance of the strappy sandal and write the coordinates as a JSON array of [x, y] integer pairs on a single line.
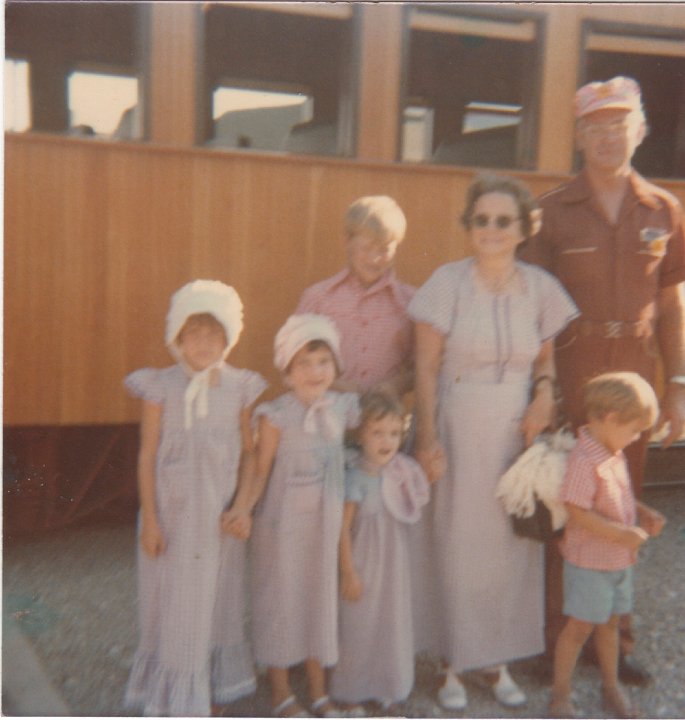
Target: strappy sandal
[[280, 710]]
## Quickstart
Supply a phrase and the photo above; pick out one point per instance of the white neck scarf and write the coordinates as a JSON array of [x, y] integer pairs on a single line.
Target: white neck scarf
[[198, 389], [319, 416]]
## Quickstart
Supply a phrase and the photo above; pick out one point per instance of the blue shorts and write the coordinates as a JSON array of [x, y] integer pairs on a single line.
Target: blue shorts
[[595, 595]]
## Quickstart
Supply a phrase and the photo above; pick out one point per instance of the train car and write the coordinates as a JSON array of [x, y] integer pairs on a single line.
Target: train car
[[148, 144]]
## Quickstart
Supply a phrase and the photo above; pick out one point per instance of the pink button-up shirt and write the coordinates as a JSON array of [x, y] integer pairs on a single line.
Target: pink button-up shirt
[[375, 330], [597, 480]]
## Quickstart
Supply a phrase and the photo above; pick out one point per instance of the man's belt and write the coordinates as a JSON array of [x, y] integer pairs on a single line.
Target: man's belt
[[615, 329]]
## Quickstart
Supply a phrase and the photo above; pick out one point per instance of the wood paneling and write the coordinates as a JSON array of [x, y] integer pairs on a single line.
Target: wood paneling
[[98, 235]]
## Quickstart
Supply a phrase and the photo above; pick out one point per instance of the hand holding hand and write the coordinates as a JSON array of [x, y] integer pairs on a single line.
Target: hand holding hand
[[432, 460], [236, 523], [151, 539], [351, 586]]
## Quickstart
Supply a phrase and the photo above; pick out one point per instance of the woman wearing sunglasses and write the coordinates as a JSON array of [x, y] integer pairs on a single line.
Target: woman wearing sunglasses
[[485, 387]]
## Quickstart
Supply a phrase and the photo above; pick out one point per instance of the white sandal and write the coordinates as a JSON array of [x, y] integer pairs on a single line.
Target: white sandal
[[288, 702], [507, 692], [452, 695], [335, 711]]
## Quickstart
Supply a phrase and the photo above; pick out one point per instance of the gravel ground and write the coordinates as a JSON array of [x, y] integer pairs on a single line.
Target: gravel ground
[[72, 594]]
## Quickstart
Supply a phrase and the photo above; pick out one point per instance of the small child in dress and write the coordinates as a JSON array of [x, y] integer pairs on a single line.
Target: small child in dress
[[294, 553], [605, 529], [196, 440], [384, 493]]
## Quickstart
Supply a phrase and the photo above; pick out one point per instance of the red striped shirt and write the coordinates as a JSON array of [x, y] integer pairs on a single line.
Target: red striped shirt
[[375, 331], [597, 480]]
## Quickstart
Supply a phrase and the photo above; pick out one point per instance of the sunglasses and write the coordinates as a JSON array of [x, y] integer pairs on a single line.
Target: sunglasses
[[501, 221]]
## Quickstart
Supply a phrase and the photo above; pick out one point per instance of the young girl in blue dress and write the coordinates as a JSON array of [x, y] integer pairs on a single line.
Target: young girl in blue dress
[[299, 484], [195, 437], [384, 493]]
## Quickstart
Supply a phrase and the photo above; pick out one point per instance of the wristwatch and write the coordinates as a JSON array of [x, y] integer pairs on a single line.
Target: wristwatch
[[677, 379]]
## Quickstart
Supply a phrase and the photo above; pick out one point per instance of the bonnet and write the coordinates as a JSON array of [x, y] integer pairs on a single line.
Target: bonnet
[[223, 303], [301, 329], [205, 296]]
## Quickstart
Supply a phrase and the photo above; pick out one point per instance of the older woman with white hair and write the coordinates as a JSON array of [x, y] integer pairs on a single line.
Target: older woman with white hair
[[485, 382]]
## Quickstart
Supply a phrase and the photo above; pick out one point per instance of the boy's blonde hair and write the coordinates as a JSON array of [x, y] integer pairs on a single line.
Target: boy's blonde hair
[[379, 215], [625, 393]]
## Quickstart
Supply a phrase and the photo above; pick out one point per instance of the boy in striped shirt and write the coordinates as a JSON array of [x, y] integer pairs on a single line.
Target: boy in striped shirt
[[605, 529]]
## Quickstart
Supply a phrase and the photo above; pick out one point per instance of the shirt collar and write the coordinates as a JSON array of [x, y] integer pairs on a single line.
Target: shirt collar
[[580, 189], [597, 452], [388, 280]]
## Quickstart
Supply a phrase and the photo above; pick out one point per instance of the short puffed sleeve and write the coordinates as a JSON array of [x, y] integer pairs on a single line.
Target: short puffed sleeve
[[252, 386], [356, 486], [147, 384], [434, 302], [556, 308], [274, 411]]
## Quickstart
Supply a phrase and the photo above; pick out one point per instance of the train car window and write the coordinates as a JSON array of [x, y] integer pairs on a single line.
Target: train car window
[[277, 76], [17, 96], [656, 59], [478, 72], [262, 119], [99, 105], [70, 45]]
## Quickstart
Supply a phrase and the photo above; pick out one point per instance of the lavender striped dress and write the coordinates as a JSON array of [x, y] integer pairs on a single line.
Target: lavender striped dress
[[489, 582], [294, 544], [191, 599], [376, 633]]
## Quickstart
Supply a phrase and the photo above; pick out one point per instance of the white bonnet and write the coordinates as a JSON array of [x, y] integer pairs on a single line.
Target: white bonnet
[[205, 296], [301, 329]]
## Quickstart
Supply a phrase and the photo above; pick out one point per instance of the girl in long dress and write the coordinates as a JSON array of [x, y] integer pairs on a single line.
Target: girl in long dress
[[485, 328], [195, 436], [299, 485], [384, 493]]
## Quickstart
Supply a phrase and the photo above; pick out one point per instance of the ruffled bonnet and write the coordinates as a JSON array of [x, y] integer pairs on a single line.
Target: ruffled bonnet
[[223, 303], [205, 296], [301, 329]]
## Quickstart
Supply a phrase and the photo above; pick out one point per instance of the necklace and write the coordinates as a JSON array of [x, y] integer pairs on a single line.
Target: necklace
[[498, 285]]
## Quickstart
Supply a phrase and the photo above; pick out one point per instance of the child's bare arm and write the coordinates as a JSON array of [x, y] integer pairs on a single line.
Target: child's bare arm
[[631, 536], [151, 537], [650, 519], [350, 584], [237, 520], [267, 444]]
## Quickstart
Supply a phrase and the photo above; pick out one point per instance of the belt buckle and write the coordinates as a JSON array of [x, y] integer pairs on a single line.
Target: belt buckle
[[613, 328]]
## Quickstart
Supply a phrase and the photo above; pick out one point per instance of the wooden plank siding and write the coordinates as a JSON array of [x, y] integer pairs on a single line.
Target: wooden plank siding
[[98, 235]]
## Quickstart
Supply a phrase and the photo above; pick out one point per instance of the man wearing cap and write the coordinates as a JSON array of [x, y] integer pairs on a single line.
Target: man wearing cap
[[617, 243]]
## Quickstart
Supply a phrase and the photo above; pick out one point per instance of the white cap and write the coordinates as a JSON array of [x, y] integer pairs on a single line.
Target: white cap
[[205, 296], [301, 329]]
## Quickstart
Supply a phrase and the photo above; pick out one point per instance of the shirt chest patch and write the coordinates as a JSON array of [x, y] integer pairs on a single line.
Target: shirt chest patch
[[653, 241]]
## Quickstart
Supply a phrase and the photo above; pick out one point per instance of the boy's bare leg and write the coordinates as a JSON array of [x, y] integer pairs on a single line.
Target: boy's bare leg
[[607, 646], [569, 644]]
